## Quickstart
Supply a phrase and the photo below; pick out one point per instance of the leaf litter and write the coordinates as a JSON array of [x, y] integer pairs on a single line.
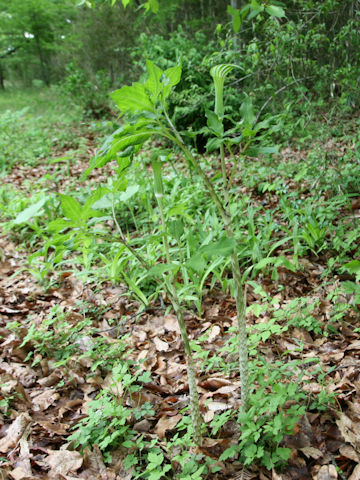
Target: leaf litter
[[41, 399]]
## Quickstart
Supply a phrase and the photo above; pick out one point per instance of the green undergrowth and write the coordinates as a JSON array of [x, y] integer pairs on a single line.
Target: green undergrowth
[[39, 125], [292, 210]]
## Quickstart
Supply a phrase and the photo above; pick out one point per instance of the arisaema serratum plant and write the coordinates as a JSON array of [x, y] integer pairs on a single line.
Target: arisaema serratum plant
[[146, 107]]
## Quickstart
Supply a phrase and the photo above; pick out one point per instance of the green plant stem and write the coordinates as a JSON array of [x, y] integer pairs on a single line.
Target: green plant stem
[[224, 176], [195, 163], [239, 293], [240, 297], [191, 372]]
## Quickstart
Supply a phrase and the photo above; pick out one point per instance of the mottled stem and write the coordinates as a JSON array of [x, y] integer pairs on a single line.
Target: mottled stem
[[191, 372]]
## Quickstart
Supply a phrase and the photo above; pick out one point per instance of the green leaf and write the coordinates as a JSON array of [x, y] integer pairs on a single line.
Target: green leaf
[[256, 9], [155, 458], [124, 2], [236, 18], [176, 227], [157, 172], [152, 6], [213, 144], [105, 202], [136, 138], [236, 22], [247, 111], [284, 262], [214, 123], [197, 263], [178, 209], [152, 84], [283, 453], [161, 268], [130, 135], [58, 225], [264, 262], [171, 77], [33, 211], [129, 192], [275, 11], [222, 248], [71, 208], [353, 267], [133, 99]]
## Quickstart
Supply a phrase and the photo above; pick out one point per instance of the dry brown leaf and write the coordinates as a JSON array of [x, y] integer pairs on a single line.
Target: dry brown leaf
[[311, 452], [139, 334], [348, 451], [93, 462], [23, 466], [349, 430], [50, 380], [142, 426], [354, 346], [327, 472], [214, 383], [62, 462], [214, 332], [171, 324], [23, 373], [355, 473], [165, 424], [303, 335], [160, 345], [312, 387], [228, 389], [20, 473], [44, 400], [216, 406], [57, 428], [275, 476], [10, 386], [15, 432]]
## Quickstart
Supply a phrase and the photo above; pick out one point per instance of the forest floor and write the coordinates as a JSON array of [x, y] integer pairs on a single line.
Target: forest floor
[[60, 344]]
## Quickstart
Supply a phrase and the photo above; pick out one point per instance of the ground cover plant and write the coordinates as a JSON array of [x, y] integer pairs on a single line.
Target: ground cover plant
[[179, 290], [92, 350]]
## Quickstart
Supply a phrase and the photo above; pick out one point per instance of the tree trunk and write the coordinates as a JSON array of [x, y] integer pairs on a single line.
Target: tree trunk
[[2, 79], [43, 63], [237, 5]]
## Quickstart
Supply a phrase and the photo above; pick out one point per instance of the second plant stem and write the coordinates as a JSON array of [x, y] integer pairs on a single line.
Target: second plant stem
[[171, 282], [223, 208]]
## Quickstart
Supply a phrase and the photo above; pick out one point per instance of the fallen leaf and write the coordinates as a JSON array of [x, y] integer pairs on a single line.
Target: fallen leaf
[[142, 426], [327, 472], [275, 476], [94, 466], [216, 406], [20, 473], [355, 473], [215, 331], [62, 462], [350, 431], [160, 345], [311, 452], [348, 451], [15, 432], [171, 324], [44, 400], [214, 383], [165, 424]]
